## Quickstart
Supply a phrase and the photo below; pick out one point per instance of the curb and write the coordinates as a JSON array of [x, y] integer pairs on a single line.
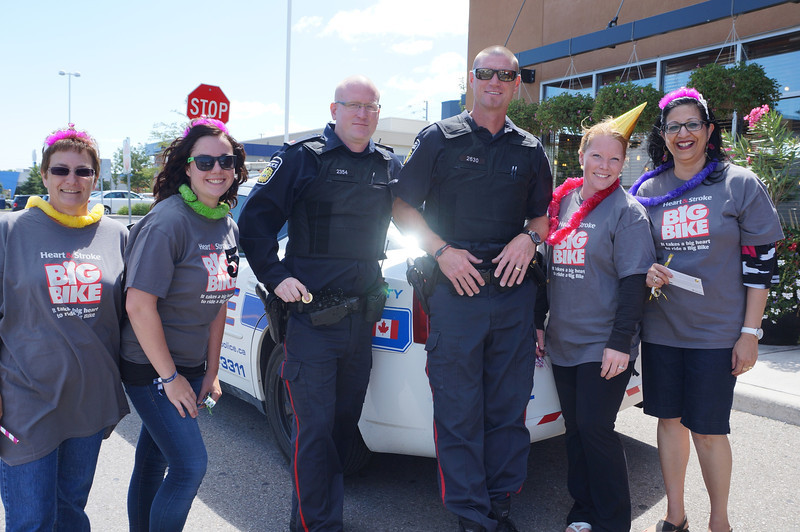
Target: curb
[[764, 402]]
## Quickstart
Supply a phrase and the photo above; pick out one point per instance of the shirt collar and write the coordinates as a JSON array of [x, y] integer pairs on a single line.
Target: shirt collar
[[332, 140]]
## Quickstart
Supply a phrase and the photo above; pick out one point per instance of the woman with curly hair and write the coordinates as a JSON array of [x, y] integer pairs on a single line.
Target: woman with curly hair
[[181, 263]]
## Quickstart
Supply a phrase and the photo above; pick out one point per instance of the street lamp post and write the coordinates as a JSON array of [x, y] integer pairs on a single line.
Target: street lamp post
[[69, 91]]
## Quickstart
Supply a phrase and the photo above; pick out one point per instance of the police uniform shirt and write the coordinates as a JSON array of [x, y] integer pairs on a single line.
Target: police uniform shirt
[[423, 172], [270, 205]]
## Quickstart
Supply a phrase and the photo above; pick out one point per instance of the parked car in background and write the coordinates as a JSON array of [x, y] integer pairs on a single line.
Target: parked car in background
[[19, 202], [398, 408], [112, 200]]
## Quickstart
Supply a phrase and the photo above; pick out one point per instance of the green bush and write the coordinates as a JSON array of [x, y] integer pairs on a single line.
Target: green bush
[[139, 209], [617, 98], [739, 87]]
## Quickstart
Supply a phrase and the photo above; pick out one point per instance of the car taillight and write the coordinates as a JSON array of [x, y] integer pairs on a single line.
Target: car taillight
[[421, 324]]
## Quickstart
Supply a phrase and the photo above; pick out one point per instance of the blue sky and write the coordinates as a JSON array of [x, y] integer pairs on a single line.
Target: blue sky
[[140, 59]]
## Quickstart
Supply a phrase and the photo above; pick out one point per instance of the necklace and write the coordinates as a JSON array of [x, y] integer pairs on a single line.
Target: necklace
[[66, 219], [556, 236], [686, 187], [212, 213]]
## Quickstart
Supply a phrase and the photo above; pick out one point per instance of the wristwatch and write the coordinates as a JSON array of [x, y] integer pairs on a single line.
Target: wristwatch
[[758, 333], [534, 237]]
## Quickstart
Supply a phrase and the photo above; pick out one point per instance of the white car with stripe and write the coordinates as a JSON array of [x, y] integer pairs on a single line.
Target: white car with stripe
[[398, 409]]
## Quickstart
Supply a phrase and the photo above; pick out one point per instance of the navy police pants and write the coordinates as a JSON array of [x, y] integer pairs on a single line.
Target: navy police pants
[[326, 371], [480, 367]]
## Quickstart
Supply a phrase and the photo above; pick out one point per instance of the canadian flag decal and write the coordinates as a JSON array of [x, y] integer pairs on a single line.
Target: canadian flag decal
[[385, 329]]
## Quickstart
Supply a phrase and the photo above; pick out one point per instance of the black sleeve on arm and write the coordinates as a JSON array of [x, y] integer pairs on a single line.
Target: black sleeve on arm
[[630, 304], [541, 307]]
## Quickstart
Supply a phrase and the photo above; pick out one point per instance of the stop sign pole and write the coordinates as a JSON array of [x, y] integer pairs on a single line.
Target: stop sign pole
[[209, 101]]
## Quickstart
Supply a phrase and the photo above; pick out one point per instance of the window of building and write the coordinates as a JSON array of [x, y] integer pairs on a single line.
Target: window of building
[[639, 74], [576, 85], [676, 71]]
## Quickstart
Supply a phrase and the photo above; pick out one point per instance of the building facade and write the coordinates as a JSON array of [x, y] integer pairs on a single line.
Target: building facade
[[578, 46]]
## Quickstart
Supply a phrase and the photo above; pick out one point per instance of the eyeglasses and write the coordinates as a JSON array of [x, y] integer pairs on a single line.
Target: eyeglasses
[[674, 127], [485, 74], [206, 162], [63, 171], [356, 106]]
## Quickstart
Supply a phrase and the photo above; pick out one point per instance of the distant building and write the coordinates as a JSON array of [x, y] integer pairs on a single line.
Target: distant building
[[399, 133]]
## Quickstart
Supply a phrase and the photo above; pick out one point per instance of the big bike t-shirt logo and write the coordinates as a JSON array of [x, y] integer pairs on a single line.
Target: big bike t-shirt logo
[[219, 280], [685, 221], [74, 282], [571, 251]]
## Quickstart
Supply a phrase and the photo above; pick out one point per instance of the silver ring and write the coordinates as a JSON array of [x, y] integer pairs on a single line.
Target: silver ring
[[620, 367], [655, 279]]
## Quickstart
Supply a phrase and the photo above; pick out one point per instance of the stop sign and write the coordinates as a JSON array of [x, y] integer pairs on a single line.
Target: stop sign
[[208, 100]]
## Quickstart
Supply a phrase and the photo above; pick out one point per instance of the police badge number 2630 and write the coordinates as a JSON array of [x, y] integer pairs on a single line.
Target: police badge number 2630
[[267, 173]]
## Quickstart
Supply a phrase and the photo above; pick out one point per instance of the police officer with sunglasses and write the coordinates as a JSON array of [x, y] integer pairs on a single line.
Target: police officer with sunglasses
[[485, 185], [333, 189]]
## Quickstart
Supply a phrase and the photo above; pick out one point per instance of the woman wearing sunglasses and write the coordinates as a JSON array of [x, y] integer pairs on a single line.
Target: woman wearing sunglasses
[[181, 263], [60, 305], [714, 222]]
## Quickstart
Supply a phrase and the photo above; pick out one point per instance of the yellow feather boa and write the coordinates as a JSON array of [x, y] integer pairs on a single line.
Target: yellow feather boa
[[66, 219]]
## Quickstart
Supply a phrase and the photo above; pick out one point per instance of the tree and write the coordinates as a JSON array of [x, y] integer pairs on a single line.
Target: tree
[[142, 169], [165, 132], [34, 183]]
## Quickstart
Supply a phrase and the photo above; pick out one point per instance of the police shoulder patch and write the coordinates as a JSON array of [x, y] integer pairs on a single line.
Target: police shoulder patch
[[413, 149], [267, 173]]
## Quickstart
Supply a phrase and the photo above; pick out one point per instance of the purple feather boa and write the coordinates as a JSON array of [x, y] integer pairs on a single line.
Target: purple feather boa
[[686, 187]]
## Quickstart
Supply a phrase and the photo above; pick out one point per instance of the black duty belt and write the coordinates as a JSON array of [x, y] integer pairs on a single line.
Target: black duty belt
[[488, 280], [327, 311]]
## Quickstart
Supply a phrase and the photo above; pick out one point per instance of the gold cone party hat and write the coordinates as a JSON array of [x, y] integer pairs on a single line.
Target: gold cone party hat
[[626, 122]]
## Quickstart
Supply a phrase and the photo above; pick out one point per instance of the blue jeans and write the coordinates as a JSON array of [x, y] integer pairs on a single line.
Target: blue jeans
[[50, 493], [156, 502]]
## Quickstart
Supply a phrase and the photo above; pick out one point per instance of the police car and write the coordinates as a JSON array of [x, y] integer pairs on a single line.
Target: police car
[[398, 409]]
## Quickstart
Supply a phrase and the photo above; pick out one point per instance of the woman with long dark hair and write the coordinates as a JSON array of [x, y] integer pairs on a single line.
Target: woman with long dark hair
[[713, 222], [181, 263]]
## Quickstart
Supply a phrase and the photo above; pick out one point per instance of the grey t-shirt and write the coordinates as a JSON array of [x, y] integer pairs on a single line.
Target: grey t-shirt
[[180, 256], [705, 229], [60, 306], [584, 270]]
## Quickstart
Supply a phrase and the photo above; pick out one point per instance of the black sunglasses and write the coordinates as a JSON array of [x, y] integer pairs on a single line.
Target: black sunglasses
[[485, 74], [206, 162], [63, 171]]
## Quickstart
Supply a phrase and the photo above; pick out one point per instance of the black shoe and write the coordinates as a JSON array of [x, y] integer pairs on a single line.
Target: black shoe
[[506, 525], [500, 512], [465, 525]]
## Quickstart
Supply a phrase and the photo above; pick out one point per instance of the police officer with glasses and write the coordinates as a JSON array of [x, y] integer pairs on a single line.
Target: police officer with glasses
[[333, 190], [485, 185]]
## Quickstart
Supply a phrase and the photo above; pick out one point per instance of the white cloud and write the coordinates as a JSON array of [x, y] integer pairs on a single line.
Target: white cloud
[[247, 110], [412, 47], [439, 79], [415, 18], [307, 23]]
